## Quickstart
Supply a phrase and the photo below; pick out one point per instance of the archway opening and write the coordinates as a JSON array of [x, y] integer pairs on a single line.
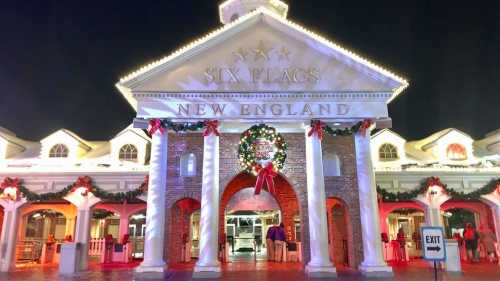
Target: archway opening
[[136, 231], [403, 241], [184, 231], [41, 234], [245, 219], [339, 237], [456, 214]]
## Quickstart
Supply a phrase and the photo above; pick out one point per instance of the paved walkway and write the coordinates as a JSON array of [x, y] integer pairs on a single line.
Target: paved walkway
[[256, 272]]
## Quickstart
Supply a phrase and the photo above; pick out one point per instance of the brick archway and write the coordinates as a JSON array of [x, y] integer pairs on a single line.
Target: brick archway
[[180, 215], [285, 196]]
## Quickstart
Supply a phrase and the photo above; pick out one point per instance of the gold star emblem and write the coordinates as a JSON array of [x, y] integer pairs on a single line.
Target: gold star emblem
[[261, 51], [284, 54], [240, 54]]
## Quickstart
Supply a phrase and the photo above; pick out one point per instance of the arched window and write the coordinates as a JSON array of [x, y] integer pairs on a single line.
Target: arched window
[[128, 152], [456, 151], [58, 151], [188, 165], [388, 152], [331, 165]]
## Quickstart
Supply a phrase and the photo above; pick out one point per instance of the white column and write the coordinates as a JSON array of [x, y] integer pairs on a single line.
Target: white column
[[154, 243], [433, 215], [82, 233], [320, 264], [373, 263], [8, 238], [83, 204], [208, 265]]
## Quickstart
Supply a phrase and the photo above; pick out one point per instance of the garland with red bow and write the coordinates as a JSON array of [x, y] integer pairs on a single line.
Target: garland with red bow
[[83, 181], [319, 128], [10, 183], [489, 188]]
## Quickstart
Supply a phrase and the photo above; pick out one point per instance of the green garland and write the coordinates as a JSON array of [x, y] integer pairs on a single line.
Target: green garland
[[343, 132], [97, 191], [409, 195], [182, 127], [246, 151]]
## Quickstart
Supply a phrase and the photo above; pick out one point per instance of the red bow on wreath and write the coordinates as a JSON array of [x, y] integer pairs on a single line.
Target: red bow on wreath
[[266, 175], [211, 128], [11, 183], [84, 182], [365, 125], [316, 128], [155, 125]]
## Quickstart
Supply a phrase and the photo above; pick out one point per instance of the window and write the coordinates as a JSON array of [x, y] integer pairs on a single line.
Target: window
[[188, 165], [456, 151], [331, 165], [388, 152], [58, 151], [128, 152]]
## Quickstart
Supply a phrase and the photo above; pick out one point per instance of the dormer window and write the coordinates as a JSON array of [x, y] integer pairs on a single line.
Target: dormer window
[[456, 151], [388, 152], [188, 165], [59, 151], [128, 152]]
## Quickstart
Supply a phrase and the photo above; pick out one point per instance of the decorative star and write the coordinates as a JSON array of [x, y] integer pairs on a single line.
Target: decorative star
[[240, 54], [261, 51], [284, 53]]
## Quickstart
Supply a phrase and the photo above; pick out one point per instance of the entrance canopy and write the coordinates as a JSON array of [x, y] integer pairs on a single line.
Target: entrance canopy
[[266, 68]]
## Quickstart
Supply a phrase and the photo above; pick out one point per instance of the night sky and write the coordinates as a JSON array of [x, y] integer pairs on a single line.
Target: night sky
[[59, 60]]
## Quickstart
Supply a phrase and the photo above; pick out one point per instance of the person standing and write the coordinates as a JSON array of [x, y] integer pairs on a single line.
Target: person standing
[[487, 239], [471, 238], [270, 237], [401, 238], [279, 242]]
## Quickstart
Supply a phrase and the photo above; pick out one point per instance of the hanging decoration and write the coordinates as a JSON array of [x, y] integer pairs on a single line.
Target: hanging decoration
[[265, 175], [388, 196], [84, 182], [9, 189], [211, 127], [318, 127], [262, 152]]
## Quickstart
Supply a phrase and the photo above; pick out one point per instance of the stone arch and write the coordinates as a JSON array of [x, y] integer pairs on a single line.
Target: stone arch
[[68, 211], [180, 214], [285, 196], [481, 209], [339, 238]]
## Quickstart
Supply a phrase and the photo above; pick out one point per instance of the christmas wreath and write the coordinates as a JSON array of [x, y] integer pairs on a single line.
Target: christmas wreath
[[252, 158]]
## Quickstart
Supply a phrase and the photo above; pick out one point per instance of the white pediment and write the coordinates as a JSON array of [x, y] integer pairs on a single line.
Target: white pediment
[[261, 53]]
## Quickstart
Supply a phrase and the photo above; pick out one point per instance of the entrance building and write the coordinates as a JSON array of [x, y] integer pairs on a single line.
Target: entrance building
[[258, 123], [262, 75]]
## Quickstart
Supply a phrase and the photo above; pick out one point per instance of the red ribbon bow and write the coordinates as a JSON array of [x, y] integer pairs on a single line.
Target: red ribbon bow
[[316, 128], [145, 184], [365, 125], [155, 125], [265, 175], [10, 182], [211, 128], [434, 181], [84, 182]]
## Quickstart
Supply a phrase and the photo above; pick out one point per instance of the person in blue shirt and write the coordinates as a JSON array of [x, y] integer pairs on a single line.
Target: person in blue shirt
[[279, 242], [270, 237]]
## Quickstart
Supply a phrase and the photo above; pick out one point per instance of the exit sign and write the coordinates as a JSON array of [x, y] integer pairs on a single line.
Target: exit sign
[[433, 244]]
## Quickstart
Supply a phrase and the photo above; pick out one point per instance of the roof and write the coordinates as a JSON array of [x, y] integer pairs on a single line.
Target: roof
[[125, 84]]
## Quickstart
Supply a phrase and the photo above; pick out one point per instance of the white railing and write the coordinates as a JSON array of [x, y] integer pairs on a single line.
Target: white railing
[[96, 246]]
